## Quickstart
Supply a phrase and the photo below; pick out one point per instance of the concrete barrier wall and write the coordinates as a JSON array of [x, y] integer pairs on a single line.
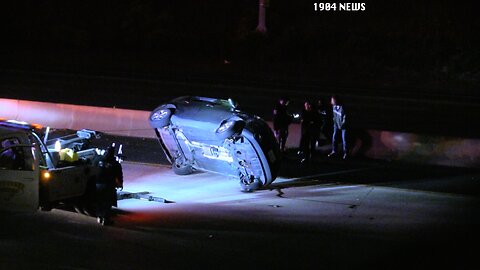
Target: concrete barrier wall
[[376, 144], [109, 120]]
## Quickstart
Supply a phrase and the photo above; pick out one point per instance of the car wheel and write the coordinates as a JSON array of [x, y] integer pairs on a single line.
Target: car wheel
[[247, 185], [160, 118], [182, 169]]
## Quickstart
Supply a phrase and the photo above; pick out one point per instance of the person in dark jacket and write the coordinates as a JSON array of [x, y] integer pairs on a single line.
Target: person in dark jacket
[[309, 126], [281, 120], [339, 126], [322, 120], [109, 178]]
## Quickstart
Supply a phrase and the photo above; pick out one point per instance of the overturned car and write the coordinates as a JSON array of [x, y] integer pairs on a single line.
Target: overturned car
[[207, 134]]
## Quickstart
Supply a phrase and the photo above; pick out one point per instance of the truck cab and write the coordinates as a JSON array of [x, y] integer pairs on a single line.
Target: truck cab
[[33, 175]]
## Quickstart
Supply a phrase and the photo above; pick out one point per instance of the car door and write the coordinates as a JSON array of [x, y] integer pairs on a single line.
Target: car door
[[68, 182], [19, 174]]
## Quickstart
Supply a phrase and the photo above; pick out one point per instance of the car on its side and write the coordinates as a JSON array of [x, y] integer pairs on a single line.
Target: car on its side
[[213, 135]]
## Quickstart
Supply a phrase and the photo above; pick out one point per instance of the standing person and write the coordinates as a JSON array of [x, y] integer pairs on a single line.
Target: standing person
[[322, 119], [281, 121], [309, 123], [339, 125], [110, 177]]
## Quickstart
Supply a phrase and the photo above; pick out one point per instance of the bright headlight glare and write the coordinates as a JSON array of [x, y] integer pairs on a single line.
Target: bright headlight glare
[[46, 175], [225, 126], [158, 115]]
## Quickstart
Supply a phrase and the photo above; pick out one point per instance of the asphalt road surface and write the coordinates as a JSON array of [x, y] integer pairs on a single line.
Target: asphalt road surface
[[328, 215]]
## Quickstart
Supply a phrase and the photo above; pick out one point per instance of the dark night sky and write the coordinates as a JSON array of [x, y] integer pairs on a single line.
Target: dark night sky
[[431, 40]]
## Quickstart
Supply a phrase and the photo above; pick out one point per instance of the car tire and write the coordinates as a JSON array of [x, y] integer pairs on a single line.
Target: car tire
[[165, 121], [250, 187], [181, 169]]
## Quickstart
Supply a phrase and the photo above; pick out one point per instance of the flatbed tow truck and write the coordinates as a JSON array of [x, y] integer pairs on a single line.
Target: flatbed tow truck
[[39, 174]]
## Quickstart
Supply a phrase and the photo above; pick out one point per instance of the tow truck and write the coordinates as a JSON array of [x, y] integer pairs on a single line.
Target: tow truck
[[36, 173]]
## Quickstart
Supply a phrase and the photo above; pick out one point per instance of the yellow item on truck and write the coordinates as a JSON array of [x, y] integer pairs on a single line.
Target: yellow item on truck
[[68, 155]]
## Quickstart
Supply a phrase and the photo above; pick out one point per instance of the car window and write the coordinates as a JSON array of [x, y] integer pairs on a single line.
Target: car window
[[13, 157]]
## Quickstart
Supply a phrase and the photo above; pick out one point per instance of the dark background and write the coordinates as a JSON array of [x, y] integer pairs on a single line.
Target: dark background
[[422, 54]]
